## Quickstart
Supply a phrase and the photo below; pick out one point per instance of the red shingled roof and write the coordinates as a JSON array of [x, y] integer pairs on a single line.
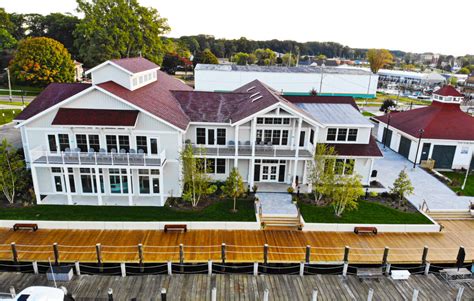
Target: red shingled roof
[[321, 99], [69, 116], [358, 150], [135, 64], [439, 121], [155, 98], [448, 90], [54, 93]]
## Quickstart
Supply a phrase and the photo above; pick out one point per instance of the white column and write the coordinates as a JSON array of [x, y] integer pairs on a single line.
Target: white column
[[180, 171], [68, 186], [253, 136], [34, 175], [236, 160], [97, 181], [297, 149], [162, 187], [129, 187]]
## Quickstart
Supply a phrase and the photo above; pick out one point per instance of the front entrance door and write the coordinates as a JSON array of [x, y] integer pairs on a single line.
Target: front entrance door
[[269, 172], [425, 151]]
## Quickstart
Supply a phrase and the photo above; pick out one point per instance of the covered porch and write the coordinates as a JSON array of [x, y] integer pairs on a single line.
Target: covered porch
[[92, 200]]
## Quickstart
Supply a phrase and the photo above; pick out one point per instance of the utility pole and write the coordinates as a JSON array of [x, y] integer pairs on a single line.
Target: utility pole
[[9, 84], [321, 82]]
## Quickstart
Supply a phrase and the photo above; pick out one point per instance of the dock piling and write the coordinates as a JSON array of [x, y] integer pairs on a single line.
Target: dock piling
[[56, 253]]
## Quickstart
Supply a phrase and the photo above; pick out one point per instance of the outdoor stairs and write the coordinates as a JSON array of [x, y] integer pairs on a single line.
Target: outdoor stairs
[[289, 223], [450, 215]]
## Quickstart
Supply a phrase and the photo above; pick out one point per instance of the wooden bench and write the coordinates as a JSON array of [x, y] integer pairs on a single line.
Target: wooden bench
[[372, 230], [180, 227], [33, 227]]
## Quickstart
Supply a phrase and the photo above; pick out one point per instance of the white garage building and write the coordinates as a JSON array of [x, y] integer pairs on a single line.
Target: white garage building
[[441, 131], [300, 80]]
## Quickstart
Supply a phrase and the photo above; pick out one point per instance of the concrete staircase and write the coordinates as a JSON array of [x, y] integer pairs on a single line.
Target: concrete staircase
[[450, 215]]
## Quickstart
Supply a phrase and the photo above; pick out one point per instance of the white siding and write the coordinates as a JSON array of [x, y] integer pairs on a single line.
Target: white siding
[[111, 73]]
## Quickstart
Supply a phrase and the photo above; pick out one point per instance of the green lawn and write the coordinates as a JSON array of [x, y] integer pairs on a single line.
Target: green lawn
[[457, 179], [7, 115], [367, 213], [219, 211], [381, 97], [30, 91], [367, 114], [13, 103]]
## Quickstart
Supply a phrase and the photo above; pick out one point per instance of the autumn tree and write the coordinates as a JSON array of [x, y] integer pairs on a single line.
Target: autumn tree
[[40, 61], [379, 58], [117, 29], [234, 186], [402, 186], [11, 171], [321, 170]]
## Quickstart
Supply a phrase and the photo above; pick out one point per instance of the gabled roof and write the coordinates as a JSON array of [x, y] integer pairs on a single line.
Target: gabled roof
[[321, 99], [448, 90], [357, 150], [335, 114], [95, 117], [53, 94], [156, 98], [439, 121], [135, 64]]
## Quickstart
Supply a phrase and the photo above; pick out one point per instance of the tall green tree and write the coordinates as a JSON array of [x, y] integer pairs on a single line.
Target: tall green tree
[[379, 58], [321, 171], [61, 28], [205, 57], [7, 41], [234, 186], [40, 61], [119, 28], [11, 171]]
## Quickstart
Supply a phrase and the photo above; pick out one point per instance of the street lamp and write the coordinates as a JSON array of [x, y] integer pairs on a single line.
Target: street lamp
[[386, 129], [420, 134], [9, 83]]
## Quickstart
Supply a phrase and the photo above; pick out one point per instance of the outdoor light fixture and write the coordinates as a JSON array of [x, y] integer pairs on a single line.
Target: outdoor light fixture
[[420, 134]]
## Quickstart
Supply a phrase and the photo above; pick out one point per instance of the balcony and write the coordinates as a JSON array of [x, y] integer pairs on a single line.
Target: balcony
[[267, 151], [75, 157]]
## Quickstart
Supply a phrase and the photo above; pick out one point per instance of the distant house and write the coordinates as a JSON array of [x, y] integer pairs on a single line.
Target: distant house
[[468, 89], [445, 133], [78, 71]]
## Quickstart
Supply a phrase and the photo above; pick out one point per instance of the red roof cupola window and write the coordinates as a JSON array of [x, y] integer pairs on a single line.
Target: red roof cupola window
[[447, 94]]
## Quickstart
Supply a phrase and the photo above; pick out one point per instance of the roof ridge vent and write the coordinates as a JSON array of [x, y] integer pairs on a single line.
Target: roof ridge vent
[[254, 94], [257, 98], [250, 89]]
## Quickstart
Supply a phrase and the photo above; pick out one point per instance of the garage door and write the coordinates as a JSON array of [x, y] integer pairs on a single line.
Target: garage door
[[404, 148], [387, 137], [443, 156]]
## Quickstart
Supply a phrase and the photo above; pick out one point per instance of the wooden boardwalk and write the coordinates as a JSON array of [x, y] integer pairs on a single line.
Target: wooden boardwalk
[[241, 246], [247, 287]]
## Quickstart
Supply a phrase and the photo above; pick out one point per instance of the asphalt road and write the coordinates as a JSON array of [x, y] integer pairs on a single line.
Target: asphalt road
[[12, 134]]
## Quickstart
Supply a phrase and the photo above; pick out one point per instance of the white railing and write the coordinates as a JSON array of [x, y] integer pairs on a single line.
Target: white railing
[[246, 150], [41, 156]]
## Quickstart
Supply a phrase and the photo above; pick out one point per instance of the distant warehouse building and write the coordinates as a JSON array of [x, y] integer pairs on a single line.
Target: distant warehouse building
[[301, 80]]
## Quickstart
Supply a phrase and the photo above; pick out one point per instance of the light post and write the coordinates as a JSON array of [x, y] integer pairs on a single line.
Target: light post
[[9, 83], [386, 130], [420, 134]]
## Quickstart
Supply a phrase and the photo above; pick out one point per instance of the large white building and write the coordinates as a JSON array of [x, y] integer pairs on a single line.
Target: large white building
[[327, 81], [118, 140]]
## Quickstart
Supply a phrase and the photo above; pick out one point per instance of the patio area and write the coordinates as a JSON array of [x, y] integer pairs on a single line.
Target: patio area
[[92, 200], [277, 204]]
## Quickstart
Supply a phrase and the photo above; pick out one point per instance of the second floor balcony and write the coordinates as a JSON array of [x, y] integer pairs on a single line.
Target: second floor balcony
[[101, 158]]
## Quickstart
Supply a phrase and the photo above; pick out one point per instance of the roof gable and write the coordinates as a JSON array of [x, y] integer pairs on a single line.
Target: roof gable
[[448, 90]]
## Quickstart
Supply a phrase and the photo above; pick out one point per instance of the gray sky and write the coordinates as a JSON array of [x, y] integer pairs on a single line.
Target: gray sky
[[408, 25]]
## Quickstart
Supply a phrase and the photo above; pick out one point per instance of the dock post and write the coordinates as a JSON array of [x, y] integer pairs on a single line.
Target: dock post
[[345, 268], [346, 253], [78, 268], [214, 294], [163, 294], [388, 268], [255, 268], [209, 267], [425, 255], [35, 267], [140, 257], [461, 254], [460, 292], [385, 256], [415, 294], [14, 252], [307, 258], [223, 256], [314, 295], [265, 254], [99, 257], [123, 269], [56, 253], [265, 294], [181, 259], [370, 295], [110, 294], [427, 268], [301, 268], [170, 268]]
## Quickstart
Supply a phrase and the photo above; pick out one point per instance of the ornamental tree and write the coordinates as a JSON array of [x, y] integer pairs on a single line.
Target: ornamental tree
[[234, 186], [40, 61], [379, 58], [345, 194], [11, 171], [321, 171], [402, 186]]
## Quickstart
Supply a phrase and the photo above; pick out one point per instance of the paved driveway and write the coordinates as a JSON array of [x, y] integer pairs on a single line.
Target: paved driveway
[[437, 195], [11, 133]]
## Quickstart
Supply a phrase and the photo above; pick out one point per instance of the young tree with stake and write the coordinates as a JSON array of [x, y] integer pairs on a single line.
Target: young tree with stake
[[402, 186], [234, 186]]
